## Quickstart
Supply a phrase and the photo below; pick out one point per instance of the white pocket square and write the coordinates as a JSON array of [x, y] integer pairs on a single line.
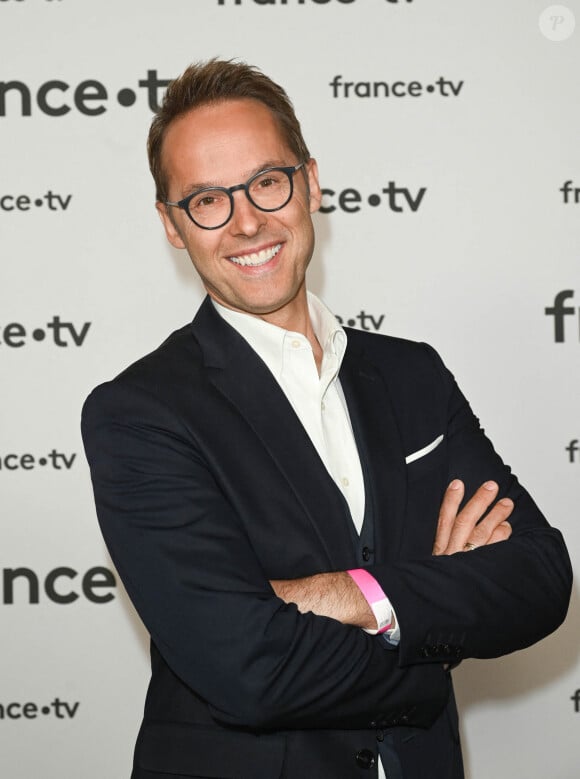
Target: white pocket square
[[425, 450]]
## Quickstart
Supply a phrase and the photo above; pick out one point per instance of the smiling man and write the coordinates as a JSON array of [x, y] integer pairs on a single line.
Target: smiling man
[[249, 259], [285, 499]]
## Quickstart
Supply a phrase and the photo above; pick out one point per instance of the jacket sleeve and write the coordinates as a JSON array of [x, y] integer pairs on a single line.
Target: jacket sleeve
[[198, 586], [495, 599]]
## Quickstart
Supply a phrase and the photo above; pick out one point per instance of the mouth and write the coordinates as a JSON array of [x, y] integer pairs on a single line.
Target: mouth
[[255, 259]]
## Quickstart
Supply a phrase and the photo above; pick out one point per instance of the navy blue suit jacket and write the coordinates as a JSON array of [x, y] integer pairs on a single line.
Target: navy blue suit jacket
[[207, 486]]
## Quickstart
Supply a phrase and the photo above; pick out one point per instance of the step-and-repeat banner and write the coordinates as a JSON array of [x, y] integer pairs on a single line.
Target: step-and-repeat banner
[[447, 140]]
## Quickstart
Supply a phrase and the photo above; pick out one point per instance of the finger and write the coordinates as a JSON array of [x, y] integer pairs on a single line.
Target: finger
[[483, 532], [501, 533], [470, 515], [447, 513]]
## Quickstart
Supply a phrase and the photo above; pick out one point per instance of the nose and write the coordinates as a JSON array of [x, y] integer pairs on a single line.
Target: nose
[[246, 219]]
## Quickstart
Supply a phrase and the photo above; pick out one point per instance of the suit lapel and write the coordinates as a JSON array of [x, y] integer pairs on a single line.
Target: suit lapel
[[241, 376], [380, 450]]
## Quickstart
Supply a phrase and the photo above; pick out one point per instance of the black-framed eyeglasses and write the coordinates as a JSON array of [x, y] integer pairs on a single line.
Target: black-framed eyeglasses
[[212, 207]]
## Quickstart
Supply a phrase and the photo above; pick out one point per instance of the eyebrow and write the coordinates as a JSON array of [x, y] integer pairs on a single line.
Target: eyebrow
[[211, 184]]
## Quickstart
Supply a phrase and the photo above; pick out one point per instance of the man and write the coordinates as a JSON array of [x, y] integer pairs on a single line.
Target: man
[[273, 489]]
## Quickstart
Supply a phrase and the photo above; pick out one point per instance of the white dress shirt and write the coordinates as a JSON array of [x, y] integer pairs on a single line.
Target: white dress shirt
[[318, 400]]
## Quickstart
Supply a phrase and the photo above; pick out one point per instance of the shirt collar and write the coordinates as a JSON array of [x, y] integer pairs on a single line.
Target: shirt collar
[[267, 339]]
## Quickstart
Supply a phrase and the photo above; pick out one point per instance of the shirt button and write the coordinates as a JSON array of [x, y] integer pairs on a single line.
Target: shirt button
[[366, 554], [345, 481], [322, 406], [296, 344]]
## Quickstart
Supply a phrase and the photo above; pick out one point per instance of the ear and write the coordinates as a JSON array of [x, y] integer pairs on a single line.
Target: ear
[[171, 231], [313, 185]]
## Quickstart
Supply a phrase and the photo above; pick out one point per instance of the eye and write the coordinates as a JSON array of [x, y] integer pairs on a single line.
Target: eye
[[267, 181], [206, 200]]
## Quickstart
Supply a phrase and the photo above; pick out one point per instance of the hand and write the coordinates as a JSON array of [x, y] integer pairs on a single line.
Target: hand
[[455, 530]]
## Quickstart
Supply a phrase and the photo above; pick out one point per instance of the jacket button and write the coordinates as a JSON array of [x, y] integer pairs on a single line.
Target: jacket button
[[366, 554], [365, 759]]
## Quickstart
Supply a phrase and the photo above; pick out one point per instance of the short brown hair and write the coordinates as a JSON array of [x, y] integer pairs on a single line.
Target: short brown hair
[[215, 81]]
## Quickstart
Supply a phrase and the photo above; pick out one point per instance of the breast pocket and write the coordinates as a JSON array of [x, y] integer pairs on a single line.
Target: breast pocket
[[427, 458], [427, 470]]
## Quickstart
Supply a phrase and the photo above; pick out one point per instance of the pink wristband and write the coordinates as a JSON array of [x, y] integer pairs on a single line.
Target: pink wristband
[[374, 596]]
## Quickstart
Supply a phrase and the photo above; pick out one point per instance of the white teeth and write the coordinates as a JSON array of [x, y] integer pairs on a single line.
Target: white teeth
[[257, 258]]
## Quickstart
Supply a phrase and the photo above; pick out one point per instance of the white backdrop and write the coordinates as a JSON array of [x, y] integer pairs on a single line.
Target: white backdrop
[[482, 118]]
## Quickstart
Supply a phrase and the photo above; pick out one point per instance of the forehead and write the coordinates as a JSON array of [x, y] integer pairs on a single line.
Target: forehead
[[214, 142]]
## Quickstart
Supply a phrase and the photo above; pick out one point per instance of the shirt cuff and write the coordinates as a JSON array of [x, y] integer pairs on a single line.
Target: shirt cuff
[[381, 606]]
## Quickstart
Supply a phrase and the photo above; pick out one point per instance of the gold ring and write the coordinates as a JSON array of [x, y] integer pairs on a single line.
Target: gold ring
[[469, 547]]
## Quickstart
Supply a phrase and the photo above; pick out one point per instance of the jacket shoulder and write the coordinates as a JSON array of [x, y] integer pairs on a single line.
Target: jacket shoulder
[[391, 352], [159, 376], [178, 353]]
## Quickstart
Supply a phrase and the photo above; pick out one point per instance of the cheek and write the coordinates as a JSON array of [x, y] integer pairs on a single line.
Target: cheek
[[299, 220], [202, 249], [305, 231]]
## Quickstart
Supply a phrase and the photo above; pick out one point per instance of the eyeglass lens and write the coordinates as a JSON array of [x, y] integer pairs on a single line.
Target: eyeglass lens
[[268, 191]]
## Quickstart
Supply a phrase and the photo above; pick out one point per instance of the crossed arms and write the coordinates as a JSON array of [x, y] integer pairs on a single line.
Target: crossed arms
[[336, 595]]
